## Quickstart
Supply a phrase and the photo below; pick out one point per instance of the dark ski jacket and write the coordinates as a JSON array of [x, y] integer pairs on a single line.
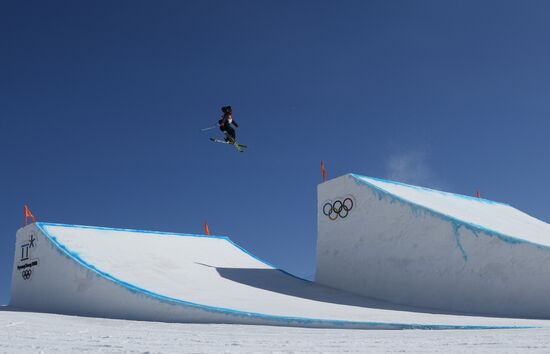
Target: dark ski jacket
[[226, 120]]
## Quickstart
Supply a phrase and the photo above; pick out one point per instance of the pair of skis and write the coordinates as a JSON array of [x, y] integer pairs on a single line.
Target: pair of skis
[[229, 141], [237, 146]]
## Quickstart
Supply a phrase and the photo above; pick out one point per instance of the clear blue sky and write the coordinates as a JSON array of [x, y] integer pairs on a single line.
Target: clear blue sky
[[102, 102]]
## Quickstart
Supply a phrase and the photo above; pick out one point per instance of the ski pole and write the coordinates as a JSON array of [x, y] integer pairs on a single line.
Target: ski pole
[[212, 127]]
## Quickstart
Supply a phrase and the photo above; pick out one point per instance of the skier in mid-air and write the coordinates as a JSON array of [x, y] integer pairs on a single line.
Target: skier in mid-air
[[225, 124]]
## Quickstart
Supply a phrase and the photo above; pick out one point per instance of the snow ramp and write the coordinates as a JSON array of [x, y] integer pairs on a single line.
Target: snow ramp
[[157, 276], [427, 248]]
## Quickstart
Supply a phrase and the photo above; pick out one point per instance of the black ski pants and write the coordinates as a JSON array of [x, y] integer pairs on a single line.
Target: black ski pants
[[229, 130]]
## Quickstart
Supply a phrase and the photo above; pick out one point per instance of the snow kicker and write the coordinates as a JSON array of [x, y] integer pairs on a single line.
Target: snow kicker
[[158, 276], [426, 248]]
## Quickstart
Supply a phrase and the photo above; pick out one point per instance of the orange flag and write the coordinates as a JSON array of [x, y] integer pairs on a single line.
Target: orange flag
[[478, 195], [28, 215], [206, 229], [323, 171]]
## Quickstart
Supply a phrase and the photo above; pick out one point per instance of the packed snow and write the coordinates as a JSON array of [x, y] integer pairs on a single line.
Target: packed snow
[[28, 332], [498, 217], [138, 275], [432, 249]]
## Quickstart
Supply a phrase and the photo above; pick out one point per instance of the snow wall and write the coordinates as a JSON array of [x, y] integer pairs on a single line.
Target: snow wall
[[168, 277], [421, 247]]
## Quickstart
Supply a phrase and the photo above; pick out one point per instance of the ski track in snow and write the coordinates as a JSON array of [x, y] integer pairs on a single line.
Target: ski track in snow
[[28, 332]]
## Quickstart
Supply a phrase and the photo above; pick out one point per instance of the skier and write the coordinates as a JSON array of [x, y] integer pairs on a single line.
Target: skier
[[225, 124]]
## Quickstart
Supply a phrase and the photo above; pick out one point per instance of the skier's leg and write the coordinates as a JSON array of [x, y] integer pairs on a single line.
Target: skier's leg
[[230, 134], [225, 133]]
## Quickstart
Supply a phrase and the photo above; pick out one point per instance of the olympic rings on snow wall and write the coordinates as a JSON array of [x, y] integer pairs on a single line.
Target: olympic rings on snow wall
[[26, 274], [339, 208]]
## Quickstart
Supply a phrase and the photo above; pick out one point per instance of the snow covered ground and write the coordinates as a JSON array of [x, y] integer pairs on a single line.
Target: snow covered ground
[[28, 332]]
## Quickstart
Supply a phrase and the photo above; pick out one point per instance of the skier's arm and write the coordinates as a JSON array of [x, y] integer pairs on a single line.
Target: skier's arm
[[235, 124]]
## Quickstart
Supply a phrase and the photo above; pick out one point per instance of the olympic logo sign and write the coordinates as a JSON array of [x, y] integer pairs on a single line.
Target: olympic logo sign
[[338, 208], [26, 263], [26, 274]]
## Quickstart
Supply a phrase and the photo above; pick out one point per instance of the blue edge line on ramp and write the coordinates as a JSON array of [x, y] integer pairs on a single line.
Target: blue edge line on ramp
[[456, 222], [273, 319]]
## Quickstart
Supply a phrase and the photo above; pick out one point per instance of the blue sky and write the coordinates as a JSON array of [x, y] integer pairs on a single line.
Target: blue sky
[[101, 106]]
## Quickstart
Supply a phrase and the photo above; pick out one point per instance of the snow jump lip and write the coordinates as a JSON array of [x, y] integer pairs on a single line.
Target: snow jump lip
[[457, 222], [262, 318]]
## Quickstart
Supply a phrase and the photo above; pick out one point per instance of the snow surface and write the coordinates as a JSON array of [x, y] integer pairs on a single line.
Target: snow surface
[[28, 332], [425, 248], [211, 273], [498, 217]]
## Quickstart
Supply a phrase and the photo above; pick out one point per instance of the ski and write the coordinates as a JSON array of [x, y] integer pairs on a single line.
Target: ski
[[235, 144]]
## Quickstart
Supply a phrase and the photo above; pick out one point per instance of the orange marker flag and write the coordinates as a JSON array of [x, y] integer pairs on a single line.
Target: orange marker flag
[[323, 171], [28, 215], [206, 229], [478, 195]]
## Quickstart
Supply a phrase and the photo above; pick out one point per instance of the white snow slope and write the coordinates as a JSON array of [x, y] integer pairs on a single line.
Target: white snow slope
[[427, 248], [31, 333], [485, 214], [169, 277]]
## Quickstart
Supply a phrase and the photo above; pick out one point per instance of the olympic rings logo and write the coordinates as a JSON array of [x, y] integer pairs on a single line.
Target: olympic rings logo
[[26, 274], [338, 208]]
